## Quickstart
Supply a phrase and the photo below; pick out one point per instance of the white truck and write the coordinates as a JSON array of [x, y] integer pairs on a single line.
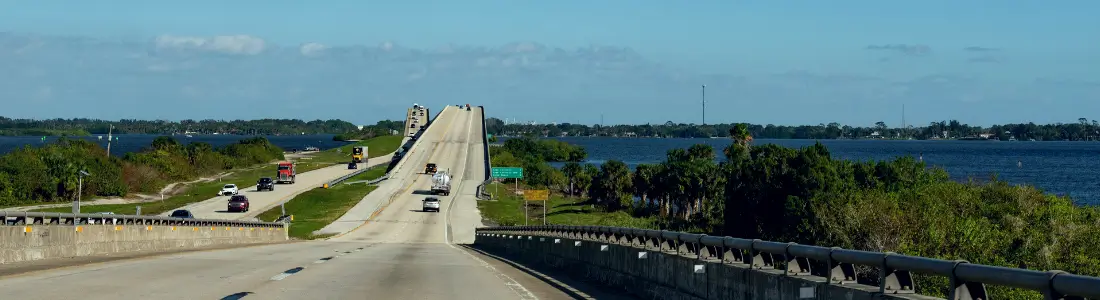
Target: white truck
[[441, 183]]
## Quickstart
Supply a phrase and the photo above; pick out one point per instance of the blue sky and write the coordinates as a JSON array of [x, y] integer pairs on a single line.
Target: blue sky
[[1012, 43]]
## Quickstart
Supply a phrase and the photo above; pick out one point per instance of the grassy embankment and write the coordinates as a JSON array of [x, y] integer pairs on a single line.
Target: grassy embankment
[[507, 210], [241, 177], [316, 208]]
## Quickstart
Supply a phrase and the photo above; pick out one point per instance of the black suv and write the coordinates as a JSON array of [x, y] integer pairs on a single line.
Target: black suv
[[265, 184]]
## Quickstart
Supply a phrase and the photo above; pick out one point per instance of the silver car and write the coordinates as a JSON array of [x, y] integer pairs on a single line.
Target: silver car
[[431, 204]]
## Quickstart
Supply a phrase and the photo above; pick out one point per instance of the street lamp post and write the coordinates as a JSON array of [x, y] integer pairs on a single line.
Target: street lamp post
[[79, 190]]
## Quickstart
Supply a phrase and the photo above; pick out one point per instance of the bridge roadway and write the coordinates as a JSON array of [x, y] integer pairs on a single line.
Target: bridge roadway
[[401, 254]]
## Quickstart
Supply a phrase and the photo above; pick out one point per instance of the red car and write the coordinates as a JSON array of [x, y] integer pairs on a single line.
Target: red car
[[238, 203]]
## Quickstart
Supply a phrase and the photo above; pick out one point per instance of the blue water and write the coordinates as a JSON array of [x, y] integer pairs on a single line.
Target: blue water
[[1062, 168], [135, 142]]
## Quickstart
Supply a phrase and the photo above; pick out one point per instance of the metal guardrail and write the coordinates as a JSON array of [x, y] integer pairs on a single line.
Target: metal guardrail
[[481, 194], [21, 218], [968, 280]]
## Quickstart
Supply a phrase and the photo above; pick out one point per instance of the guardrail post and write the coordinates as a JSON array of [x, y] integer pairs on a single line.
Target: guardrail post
[[760, 259], [895, 281], [839, 272], [794, 265], [963, 290]]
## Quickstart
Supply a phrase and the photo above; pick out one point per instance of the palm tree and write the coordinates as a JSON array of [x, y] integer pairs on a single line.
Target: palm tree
[[571, 170], [740, 134]]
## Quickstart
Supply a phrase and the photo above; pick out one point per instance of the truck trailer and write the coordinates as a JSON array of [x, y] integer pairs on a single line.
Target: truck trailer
[[441, 183]]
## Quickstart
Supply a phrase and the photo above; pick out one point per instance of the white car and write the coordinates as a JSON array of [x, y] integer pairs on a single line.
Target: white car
[[431, 204], [112, 220], [229, 189]]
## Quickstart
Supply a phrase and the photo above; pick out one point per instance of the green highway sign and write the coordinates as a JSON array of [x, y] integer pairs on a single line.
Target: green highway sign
[[507, 172]]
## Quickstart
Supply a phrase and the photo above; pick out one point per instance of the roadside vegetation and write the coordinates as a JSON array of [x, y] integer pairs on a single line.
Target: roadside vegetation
[[316, 208], [49, 174], [805, 196]]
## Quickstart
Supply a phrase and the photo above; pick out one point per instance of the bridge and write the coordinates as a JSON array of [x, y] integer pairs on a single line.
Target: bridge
[[384, 247]]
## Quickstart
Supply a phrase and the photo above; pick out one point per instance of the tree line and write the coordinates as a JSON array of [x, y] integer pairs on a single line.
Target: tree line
[[381, 128], [32, 175], [805, 196], [1081, 130], [82, 126]]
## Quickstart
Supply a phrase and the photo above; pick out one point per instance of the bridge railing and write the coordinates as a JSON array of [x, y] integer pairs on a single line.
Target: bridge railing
[[481, 194], [967, 280], [20, 218]]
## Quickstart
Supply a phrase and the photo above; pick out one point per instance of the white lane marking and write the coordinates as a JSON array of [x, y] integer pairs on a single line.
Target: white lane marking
[[512, 284]]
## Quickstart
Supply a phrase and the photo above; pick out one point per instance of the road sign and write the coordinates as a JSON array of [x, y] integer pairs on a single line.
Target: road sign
[[489, 136], [507, 172], [536, 195]]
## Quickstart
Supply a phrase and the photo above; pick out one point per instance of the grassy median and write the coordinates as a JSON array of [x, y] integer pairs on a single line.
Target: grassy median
[[316, 208], [242, 178], [507, 210]]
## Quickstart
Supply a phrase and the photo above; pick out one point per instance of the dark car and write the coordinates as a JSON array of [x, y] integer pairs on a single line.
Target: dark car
[[182, 213], [265, 184], [238, 203], [352, 166]]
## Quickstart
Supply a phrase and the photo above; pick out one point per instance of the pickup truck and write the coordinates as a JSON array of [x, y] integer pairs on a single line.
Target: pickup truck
[[229, 189]]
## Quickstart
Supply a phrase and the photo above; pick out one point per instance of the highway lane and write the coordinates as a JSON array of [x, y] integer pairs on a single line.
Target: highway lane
[[402, 254], [216, 207]]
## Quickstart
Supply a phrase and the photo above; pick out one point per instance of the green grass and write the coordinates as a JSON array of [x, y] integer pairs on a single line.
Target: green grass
[[507, 210], [319, 207], [376, 147]]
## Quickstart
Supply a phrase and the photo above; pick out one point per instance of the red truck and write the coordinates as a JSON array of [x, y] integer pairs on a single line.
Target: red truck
[[285, 173]]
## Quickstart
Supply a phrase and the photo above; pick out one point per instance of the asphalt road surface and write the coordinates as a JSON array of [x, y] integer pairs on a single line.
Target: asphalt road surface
[[260, 201], [402, 253]]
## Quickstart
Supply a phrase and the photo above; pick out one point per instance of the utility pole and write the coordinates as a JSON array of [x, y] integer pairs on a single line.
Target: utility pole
[[704, 104]]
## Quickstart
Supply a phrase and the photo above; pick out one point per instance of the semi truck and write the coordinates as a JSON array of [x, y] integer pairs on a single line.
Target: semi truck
[[285, 173], [441, 183], [359, 154]]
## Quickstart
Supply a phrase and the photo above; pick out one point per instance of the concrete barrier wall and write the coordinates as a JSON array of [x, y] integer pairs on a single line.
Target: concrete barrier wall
[[655, 274], [36, 242]]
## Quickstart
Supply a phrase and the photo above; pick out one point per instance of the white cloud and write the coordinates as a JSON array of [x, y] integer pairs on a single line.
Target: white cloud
[[233, 44], [312, 48]]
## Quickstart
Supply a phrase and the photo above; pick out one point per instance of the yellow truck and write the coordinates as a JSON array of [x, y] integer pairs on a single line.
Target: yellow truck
[[359, 154]]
